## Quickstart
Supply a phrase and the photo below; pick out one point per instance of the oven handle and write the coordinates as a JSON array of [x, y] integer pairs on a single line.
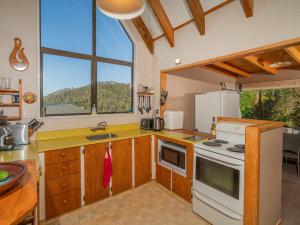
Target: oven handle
[[218, 160], [219, 209]]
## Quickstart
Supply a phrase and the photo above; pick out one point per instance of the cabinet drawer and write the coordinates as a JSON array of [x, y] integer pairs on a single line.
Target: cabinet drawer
[[62, 155], [63, 184], [62, 203], [62, 169]]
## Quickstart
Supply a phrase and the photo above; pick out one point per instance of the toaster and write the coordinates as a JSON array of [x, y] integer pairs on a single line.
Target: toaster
[[146, 124]]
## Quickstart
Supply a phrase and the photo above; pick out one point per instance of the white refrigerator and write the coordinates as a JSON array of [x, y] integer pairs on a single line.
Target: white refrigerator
[[215, 104]]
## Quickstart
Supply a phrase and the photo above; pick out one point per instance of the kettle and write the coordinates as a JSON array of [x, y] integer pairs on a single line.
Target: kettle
[[158, 122]]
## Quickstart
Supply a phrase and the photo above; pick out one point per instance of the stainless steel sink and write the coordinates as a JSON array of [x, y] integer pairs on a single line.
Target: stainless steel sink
[[101, 136]]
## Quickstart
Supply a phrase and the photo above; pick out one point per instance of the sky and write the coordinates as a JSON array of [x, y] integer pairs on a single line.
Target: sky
[[67, 25]]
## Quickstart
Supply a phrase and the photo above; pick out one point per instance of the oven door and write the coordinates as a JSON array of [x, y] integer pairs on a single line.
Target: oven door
[[173, 156], [220, 178]]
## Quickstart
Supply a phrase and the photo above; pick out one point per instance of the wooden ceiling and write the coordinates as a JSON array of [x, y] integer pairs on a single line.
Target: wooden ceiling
[[198, 18], [267, 62]]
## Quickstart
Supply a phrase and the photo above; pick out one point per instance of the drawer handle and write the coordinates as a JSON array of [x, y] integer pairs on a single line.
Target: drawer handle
[[63, 154], [63, 168], [63, 185], [64, 202]]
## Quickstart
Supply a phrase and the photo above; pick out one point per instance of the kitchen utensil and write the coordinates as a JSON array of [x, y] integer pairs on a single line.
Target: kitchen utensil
[[163, 97], [140, 104], [16, 172], [158, 124], [6, 137], [149, 103]]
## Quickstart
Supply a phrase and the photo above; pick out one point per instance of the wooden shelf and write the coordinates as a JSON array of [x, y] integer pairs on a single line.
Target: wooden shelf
[[8, 91], [145, 94], [9, 104], [17, 105], [13, 118]]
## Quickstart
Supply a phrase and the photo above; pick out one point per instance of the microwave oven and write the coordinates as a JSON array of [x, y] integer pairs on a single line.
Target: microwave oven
[[172, 155]]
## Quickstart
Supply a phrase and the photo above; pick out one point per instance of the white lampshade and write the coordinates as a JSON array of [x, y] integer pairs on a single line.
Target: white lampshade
[[121, 9]]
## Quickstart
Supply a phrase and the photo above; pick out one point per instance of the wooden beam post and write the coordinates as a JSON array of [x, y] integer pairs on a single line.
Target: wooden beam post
[[198, 14], [144, 32], [260, 63], [232, 69], [163, 20], [294, 53], [163, 86], [247, 7]]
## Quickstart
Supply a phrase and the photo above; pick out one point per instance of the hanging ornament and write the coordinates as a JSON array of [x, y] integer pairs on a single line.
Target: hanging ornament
[[17, 58], [29, 97]]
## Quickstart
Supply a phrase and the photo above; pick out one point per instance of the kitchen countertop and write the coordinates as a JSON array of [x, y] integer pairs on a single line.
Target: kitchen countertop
[[52, 140], [66, 142], [26, 152]]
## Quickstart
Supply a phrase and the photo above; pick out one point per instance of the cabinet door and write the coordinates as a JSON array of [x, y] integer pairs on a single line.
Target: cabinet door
[[93, 167], [182, 186], [142, 160], [163, 176], [122, 166]]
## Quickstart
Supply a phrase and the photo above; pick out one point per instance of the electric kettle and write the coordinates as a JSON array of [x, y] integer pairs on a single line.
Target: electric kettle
[[158, 122]]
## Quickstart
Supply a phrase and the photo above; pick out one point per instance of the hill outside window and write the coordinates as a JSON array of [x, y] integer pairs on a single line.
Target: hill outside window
[[86, 60]]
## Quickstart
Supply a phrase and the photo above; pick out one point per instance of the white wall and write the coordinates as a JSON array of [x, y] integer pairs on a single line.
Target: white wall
[[181, 96], [19, 18], [229, 31]]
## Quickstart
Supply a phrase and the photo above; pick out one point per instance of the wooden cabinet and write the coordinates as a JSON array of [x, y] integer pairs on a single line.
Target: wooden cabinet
[[171, 180], [62, 181], [93, 173], [122, 165], [142, 160], [163, 176], [182, 186]]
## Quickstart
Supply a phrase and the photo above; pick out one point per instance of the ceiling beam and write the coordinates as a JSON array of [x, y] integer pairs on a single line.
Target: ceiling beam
[[144, 32], [247, 7], [232, 69], [163, 20], [216, 70], [198, 14], [260, 64], [294, 53]]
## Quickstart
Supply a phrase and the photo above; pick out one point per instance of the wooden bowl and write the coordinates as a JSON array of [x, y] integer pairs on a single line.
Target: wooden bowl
[[16, 172]]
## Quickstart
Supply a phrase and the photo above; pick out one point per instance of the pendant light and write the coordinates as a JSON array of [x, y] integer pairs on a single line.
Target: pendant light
[[121, 9]]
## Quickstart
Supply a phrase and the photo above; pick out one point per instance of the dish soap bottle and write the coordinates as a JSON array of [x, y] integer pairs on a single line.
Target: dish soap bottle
[[94, 110], [213, 127]]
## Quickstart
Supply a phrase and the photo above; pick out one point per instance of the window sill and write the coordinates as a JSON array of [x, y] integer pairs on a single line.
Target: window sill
[[88, 116]]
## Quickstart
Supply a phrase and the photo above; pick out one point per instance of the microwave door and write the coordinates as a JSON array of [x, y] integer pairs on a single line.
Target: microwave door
[[173, 158]]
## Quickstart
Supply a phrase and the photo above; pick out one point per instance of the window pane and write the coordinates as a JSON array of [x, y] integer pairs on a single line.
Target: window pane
[[112, 40], [113, 88], [66, 85], [67, 25]]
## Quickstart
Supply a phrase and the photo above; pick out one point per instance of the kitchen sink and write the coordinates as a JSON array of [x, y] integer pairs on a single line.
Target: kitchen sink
[[101, 136]]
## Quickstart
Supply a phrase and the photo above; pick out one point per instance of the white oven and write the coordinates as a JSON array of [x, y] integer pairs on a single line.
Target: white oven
[[218, 187], [172, 155]]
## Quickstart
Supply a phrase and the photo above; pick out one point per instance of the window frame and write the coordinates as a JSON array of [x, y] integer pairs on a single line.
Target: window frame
[[93, 58]]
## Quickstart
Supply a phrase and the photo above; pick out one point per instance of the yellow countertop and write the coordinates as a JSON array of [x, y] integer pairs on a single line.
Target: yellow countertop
[[52, 140], [26, 152]]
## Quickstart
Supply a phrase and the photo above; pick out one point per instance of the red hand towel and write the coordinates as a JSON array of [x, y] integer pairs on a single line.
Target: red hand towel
[[107, 171]]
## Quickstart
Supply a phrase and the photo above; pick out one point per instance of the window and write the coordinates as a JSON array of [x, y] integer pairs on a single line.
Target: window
[[272, 104], [86, 60]]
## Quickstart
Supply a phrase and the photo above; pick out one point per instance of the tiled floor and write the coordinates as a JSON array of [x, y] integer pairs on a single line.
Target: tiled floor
[[149, 204], [290, 196]]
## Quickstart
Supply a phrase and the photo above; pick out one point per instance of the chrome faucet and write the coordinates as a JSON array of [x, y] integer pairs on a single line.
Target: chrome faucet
[[100, 126]]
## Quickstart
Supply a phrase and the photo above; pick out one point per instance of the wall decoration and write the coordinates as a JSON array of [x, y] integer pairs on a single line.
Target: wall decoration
[[17, 58], [29, 97]]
